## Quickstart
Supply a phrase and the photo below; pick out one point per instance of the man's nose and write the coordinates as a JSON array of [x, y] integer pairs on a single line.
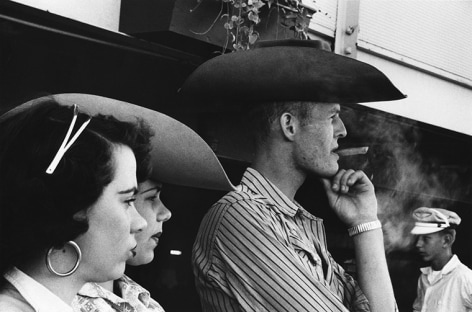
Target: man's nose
[[341, 131]]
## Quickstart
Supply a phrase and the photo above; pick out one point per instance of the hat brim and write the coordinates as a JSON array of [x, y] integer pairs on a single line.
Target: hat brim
[[288, 72], [421, 230], [178, 155]]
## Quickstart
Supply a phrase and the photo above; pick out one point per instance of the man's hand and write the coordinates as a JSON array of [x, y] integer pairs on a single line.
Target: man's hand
[[351, 195]]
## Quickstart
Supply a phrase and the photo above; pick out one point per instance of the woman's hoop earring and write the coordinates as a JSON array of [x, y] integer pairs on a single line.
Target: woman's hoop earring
[[77, 263]]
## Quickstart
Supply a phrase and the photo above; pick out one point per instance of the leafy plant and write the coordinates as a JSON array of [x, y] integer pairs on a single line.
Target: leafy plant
[[242, 18]]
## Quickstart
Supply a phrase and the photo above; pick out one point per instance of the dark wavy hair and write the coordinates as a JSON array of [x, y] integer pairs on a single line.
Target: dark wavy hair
[[37, 209]]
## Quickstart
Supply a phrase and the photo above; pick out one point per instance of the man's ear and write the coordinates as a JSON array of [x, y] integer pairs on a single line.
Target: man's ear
[[289, 125], [449, 238]]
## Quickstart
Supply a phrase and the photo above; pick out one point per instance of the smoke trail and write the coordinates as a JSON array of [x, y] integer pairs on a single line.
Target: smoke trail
[[404, 178]]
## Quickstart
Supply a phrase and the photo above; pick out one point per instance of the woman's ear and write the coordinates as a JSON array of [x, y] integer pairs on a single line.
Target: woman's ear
[[80, 215], [289, 125]]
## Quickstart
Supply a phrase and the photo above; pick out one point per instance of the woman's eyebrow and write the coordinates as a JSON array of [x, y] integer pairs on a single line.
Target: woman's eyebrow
[[155, 188], [133, 190]]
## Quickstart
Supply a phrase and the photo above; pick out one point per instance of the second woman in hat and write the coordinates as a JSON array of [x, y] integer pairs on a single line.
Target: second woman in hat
[[178, 156]]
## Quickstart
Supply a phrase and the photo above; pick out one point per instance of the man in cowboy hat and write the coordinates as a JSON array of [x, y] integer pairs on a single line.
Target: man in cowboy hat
[[257, 248], [445, 285]]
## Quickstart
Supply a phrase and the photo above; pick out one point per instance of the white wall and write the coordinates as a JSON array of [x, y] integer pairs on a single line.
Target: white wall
[[100, 13], [430, 99], [429, 34]]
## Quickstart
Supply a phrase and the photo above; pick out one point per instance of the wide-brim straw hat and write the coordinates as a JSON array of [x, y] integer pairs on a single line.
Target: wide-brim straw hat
[[179, 155], [288, 70]]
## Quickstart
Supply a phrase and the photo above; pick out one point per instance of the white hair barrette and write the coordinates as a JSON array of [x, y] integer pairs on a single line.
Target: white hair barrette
[[66, 144]]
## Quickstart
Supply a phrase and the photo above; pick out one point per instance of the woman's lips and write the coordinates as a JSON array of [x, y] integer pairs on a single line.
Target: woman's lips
[[156, 237], [133, 250]]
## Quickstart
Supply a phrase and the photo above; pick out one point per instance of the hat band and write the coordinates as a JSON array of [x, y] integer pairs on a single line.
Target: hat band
[[432, 225]]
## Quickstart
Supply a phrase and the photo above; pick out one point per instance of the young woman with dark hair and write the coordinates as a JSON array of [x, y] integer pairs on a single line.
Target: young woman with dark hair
[[67, 190], [178, 156]]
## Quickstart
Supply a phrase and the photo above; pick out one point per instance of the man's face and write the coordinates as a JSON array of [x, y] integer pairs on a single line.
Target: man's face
[[318, 138], [429, 246]]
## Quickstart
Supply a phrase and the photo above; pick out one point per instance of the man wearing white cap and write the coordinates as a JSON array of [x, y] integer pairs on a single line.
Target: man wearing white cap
[[446, 285]]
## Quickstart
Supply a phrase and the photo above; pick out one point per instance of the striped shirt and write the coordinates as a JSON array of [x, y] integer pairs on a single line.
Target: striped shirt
[[256, 250]]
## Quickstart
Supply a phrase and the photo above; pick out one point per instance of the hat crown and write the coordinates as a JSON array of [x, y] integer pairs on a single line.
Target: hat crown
[[436, 215], [431, 220], [288, 70], [315, 44]]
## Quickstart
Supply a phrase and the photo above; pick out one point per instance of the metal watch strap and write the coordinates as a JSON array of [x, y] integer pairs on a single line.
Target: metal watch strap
[[364, 227]]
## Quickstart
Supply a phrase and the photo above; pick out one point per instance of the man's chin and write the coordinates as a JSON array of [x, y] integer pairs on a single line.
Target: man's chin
[[330, 172], [325, 174]]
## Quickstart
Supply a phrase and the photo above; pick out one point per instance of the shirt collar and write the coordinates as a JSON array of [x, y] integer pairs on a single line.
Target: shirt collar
[[259, 184], [130, 291], [448, 268], [133, 291], [38, 296], [94, 290]]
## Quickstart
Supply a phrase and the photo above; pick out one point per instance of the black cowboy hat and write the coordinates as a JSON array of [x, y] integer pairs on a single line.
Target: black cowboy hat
[[288, 70]]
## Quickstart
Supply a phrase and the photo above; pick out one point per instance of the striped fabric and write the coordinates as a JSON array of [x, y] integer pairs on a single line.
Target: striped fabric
[[258, 251]]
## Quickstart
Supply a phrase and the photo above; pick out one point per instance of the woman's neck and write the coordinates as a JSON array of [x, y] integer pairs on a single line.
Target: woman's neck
[[107, 285], [63, 287]]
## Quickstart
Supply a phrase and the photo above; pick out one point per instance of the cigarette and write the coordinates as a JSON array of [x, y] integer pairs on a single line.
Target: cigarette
[[353, 151]]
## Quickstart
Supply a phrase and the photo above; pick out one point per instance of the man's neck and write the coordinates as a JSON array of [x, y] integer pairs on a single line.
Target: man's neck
[[439, 263], [280, 173]]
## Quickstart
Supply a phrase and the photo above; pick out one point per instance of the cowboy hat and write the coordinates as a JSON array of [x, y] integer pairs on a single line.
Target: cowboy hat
[[178, 155], [288, 70]]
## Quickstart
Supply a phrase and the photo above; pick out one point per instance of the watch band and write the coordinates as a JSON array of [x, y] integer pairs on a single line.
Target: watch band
[[364, 227]]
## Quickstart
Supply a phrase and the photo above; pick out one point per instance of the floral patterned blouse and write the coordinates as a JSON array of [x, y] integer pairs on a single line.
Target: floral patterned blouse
[[94, 298]]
